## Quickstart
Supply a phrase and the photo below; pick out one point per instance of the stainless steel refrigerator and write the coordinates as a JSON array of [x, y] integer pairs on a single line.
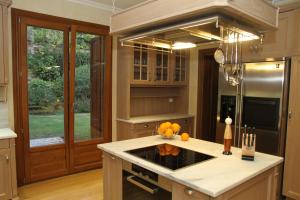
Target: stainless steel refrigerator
[[260, 101]]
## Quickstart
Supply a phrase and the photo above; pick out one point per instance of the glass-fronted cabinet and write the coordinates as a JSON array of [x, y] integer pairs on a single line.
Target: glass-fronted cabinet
[[180, 68], [162, 66], [140, 71]]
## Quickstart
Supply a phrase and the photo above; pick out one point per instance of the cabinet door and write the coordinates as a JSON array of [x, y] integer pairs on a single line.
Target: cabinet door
[[280, 43], [140, 69], [3, 44], [5, 180], [291, 187], [162, 67], [180, 67], [112, 177]]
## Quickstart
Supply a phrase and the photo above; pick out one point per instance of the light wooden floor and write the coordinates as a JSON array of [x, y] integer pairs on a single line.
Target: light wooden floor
[[82, 186]]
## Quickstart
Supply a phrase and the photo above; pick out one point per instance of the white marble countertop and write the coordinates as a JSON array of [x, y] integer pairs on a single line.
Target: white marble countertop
[[212, 177], [6, 133], [153, 118]]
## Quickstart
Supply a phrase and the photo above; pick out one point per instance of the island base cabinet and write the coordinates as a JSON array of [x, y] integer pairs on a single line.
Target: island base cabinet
[[262, 187], [112, 180]]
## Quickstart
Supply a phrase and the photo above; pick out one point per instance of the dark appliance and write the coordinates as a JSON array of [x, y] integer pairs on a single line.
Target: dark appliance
[[228, 104], [262, 113], [184, 158]]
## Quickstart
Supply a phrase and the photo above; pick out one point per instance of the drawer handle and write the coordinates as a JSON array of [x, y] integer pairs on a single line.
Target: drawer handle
[[188, 191], [146, 126], [140, 185], [113, 158]]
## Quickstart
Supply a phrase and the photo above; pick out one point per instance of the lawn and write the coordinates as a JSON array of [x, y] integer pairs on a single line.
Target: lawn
[[45, 126]]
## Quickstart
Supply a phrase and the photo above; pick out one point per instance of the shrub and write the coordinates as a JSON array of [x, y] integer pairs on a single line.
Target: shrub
[[82, 89], [41, 93]]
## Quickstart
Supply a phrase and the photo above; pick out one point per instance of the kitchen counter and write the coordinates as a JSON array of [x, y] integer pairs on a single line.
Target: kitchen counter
[[213, 177], [6, 133], [153, 118]]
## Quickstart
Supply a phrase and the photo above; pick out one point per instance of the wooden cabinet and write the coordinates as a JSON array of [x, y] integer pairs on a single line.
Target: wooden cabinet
[[4, 4], [8, 181], [113, 179], [5, 181], [284, 42], [128, 130], [291, 183], [180, 192], [153, 67], [261, 187]]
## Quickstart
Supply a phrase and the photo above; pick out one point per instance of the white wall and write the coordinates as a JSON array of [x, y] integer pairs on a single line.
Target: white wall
[[60, 8]]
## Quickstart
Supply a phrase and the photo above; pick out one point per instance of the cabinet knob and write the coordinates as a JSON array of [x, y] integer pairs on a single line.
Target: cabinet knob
[[7, 158], [113, 158], [189, 192], [146, 126], [290, 115]]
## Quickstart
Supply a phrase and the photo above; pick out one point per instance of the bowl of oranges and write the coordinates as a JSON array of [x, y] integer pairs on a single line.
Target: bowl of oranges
[[168, 130]]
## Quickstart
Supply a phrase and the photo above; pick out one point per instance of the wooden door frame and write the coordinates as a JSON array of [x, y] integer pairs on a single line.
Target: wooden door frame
[[21, 146], [201, 55]]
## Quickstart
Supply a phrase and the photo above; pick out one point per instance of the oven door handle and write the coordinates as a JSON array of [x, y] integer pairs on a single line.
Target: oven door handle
[[140, 185]]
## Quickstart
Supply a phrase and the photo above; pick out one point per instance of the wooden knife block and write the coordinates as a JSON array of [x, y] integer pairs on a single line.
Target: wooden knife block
[[248, 151]]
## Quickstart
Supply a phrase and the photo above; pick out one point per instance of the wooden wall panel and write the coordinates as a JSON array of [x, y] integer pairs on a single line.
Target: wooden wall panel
[[45, 165], [87, 154]]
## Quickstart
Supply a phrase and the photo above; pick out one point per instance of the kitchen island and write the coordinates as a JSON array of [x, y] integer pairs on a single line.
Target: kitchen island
[[222, 177]]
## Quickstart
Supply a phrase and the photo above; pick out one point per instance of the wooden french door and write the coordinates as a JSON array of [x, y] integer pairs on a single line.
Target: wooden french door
[[62, 94]]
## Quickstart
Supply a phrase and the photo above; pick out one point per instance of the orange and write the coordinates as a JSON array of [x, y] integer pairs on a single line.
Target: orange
[[163, 127], [169, 133], [175, 127], [161, 131], [185, 136], [168, 124]]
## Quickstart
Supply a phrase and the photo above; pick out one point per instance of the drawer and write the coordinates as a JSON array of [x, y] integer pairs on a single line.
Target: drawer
[[142, 133], [4, 144], [146, 125]]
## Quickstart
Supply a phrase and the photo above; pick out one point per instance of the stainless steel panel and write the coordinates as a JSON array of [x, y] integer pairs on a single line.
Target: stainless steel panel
[[264, 79]]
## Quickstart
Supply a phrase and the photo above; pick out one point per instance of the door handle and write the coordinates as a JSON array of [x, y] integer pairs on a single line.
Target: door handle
[[140, 185]]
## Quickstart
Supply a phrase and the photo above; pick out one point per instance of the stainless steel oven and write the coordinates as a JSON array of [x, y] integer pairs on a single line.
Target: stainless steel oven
[[142, 184]]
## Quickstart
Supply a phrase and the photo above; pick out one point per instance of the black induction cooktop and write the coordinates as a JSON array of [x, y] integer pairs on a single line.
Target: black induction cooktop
[[170, 156]]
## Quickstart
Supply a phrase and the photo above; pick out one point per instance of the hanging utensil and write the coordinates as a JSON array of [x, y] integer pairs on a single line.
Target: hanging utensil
[[225, 73], [219, 54]]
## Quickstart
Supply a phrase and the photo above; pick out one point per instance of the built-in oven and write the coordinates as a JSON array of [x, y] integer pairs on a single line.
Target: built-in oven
[[261, 112], [142, 184]]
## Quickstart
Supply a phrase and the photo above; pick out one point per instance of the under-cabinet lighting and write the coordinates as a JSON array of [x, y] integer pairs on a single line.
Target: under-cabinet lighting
[[243, 36], [183, 45], [161, 45]]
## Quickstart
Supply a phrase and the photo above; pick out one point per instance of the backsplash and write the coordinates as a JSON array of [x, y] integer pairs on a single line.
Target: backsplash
[[3, 115]]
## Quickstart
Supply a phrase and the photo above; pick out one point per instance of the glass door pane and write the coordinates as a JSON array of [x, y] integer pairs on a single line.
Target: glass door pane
[[88, 89], [45, 61]]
